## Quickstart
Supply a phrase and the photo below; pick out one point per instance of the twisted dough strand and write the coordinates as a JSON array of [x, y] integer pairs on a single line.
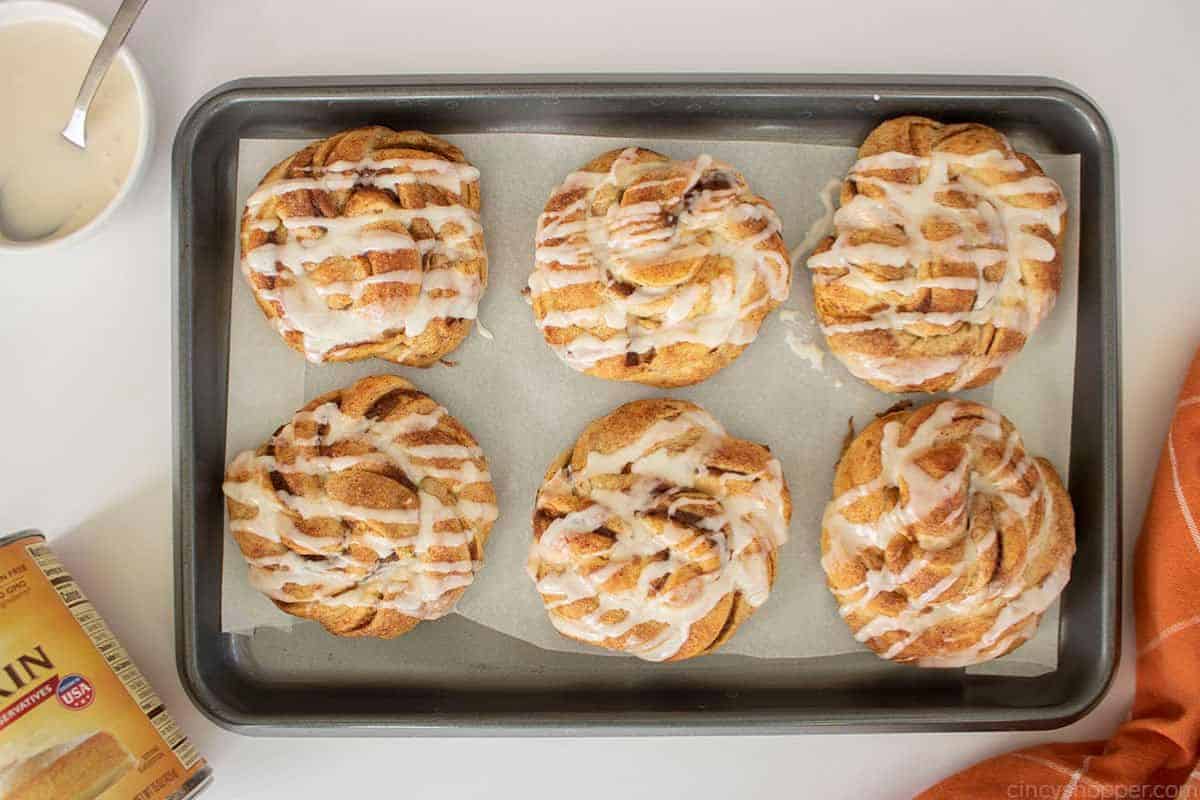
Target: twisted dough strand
[[368, 243], [945, 541], [367, 512], [656, 534], [654, 270], [948, 255]]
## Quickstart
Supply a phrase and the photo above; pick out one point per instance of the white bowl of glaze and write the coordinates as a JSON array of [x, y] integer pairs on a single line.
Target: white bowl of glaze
[[14, 12]]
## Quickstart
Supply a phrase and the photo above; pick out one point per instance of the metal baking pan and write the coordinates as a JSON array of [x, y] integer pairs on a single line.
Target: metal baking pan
[[458, 678]]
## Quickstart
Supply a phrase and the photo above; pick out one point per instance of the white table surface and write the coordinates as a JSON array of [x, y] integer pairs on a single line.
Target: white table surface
[[85, 334]]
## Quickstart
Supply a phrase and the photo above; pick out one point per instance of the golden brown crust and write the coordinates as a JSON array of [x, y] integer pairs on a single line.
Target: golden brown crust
[[83, 768], [945, 542], [367, 513], [948, 254], [654, 270], [380, 229], [635, 551]]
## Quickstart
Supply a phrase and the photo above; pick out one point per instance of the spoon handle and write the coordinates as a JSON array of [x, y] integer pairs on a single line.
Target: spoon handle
[[117, 31]]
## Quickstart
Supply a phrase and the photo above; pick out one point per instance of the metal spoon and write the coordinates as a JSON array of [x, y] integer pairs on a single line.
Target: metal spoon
[[76, 130]]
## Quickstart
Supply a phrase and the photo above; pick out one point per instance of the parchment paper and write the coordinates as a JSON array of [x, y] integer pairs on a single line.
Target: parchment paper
[[525, 406]]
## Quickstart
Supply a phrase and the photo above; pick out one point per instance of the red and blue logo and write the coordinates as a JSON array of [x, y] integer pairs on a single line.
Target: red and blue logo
[[75, 692]]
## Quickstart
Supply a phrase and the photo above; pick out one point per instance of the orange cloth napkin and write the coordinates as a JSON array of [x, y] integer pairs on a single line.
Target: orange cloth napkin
[[1154, 754]]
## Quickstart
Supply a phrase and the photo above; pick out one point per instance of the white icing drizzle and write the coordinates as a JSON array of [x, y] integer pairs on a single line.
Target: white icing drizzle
[[799, 337], [821, 227], [1014, 488], [385, 174], [303, 300], [410, 572], [805, 349], [672, 516], [576, 248], [995, 228]]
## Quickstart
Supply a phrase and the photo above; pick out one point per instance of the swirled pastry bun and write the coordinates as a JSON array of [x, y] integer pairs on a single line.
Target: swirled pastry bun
[[945, 541], [654, 270], [368, 243], [947, 256], [656, 534], [367, 512]]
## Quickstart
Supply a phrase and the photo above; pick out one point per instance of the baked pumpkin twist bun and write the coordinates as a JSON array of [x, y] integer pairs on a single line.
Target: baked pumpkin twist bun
[[945, 541], [654, 270], [948, 255], [368, 243], [367, 512], [657, 533]]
